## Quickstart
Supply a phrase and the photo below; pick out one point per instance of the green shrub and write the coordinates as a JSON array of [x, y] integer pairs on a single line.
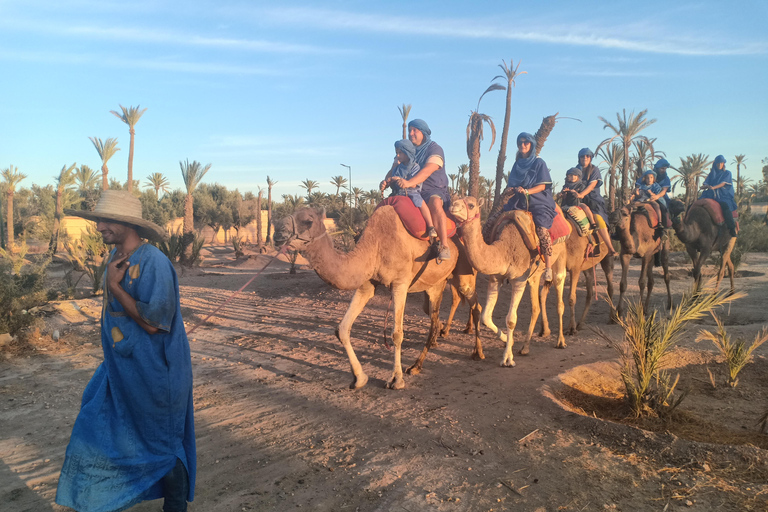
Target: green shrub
[[20, 291], [88, 255], [737, 353], [237, 244], [172, 247]]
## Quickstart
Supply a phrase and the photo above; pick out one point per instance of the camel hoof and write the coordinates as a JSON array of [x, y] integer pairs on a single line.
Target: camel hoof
[[545, 334], [478, 356], [524, 351], [396, 383], [571, 332], [508, 364], [561, 344], [413, 370], [433, 345], [444, 333], [359, 382], [468, 330]]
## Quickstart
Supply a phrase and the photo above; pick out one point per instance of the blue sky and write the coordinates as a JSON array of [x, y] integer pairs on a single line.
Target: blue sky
[[292, 90]]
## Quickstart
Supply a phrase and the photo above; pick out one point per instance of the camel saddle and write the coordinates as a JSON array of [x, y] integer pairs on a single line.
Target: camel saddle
[[412, 218], [523, 221], [714, 210], [647, 209], [579, 218]]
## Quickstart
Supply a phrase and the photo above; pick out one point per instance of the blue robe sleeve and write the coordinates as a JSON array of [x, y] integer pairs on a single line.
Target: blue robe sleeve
[[156, 291]]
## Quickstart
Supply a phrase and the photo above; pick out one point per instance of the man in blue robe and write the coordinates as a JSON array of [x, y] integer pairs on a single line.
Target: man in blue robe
[[134, 437]]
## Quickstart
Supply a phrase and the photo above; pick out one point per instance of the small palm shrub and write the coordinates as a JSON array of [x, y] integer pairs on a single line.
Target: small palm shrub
[[197, 245], [88, 255], [737, 353], [172, 247], [649, 340], [17, 257], [237, 244], [20, 291]]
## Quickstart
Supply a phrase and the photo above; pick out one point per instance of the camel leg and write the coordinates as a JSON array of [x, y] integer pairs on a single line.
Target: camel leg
[[573, 327], [536, 305], [665, 268], [469, 293], [646, 280], [725, 256], [435, 296], [607, 265], [518, 289], [343, 331], [559, 283], [455, 301], [544, 293], [399, 296], [490, 303], [625, 258]]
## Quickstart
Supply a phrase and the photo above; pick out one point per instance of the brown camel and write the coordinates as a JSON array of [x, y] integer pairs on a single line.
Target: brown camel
[[581, 258], [385, 254], [701, 235], [508, 258], [638, 239]]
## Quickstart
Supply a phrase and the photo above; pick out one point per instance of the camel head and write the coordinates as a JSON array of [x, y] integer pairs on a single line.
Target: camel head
[[676, 208], [465, 208], [619, 218], [297, 230]]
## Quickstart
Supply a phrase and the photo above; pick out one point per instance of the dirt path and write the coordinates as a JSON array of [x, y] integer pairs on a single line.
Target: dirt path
[[277, 428]]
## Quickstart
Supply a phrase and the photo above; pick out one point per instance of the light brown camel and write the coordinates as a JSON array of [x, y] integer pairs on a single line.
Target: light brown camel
[[638, 239], [580, 258], [508, 258], [701, 236], [385, 254]]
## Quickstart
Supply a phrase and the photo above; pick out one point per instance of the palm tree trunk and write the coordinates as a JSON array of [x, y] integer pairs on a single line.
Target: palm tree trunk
[[9, 220], [188, 230], [104, 180], [54, 244], [269, 215], [473, 152], [258, 219], [502, 148], [624, 193], [130, 162]]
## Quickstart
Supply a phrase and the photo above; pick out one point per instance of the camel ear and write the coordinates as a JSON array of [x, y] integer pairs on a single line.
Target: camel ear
[[321, 212], [480, 202]]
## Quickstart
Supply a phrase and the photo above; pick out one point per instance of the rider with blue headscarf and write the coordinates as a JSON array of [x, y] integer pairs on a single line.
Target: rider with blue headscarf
[[531, 184], [719, 186], [592, 197]]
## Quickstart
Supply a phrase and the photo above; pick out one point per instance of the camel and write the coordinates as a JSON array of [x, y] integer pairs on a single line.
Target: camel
[[386, 254], [638, 239], [508, 258], [580, 258], [701, 235]]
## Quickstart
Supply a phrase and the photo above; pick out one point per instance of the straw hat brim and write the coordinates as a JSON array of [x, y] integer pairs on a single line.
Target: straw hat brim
[[144, 228]]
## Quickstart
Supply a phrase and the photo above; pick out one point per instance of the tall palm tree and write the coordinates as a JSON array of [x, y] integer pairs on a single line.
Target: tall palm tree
[[64, 181], [106, 150], [270, 184], [158, 182], [645, 155], [509, 75], [338, 182], [356, 193], [739, 161], [309, 186], [404, 111], [192, 173], [692, 169], [293, 202], [11, 177], [474, 136], [461, 182], [130, 116], [86, 179], [612, 155], [627, 130]]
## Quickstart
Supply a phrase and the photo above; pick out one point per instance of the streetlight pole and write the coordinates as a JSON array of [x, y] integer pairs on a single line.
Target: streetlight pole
[[350, 182]]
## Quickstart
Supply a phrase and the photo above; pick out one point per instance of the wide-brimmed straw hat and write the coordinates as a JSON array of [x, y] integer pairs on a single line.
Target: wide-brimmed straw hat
[[120, 206]]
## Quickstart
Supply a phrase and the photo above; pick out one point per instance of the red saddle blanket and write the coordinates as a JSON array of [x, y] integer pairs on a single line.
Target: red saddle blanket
[[650, 212], [412, 218], [559, 232], [714, 209]]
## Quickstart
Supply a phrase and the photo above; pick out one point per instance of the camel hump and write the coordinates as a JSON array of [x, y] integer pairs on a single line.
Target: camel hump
[[522, 221], [713, 208]]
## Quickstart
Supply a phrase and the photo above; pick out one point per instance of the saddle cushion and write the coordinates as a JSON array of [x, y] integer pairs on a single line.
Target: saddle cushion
[[412, 218], [714, 210], [650, 212], [559, 232], [579, 218]]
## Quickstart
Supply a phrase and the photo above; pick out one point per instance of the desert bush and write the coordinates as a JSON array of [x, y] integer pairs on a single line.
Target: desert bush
[[20, 291], [737, 353], [88, 255], [172, 247], [17, 257], [647, 342], [237, 244], [197, 246]]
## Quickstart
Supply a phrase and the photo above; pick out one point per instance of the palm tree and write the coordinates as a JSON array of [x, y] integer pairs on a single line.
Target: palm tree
[[270, 184], [373, 196], [612, 156], [356, 193], [192, 173], [338, 182], [130, 116], [158, 182], [474, 136], [739, 161], [309, 185], [11, 177], [106, 150], [692, 168], [509, 75], [86, 179], [404, 111], [293, 202], [461, 183], [453, 177], [64, 181], [645, 155], [627, 130]]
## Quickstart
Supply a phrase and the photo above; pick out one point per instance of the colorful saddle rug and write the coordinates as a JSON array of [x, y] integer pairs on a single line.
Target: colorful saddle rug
[[579, 218], [412, 218], [523, 221], [647, 208]]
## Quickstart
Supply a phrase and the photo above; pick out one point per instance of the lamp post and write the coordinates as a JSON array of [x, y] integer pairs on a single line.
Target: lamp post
[[350, 182]]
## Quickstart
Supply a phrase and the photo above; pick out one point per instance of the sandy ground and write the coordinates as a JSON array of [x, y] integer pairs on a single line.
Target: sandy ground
[[278, 429]]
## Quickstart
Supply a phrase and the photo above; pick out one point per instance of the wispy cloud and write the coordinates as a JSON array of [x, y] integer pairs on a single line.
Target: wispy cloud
[[490, 29]]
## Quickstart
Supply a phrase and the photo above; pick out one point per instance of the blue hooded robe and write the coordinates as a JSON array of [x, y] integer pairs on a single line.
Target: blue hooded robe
[[716, 176], [407, 171], [594, 199], [437, 182], [527, 173]]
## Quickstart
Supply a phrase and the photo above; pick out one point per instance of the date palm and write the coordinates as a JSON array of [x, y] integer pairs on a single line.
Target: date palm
[[270, 184], [11, 178], [692, 169], [86, 179], [309, 186], [130, 116], [158, 182], [356, 193], [509, 75], [739, 161], [293, 202], [192, 174], [404, 111], [612, 155], [106, 150], [64, 181], [627, 130], [338, 182], [474, 137]]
